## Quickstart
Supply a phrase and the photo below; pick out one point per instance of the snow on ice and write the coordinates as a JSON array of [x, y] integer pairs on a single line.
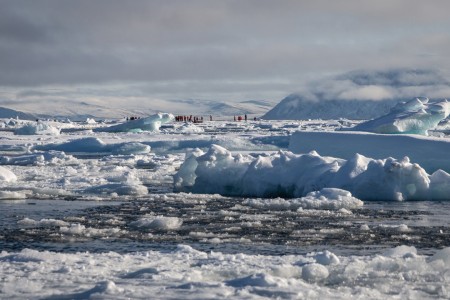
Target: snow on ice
[[95, 145], [191, 274], [274, 170], [151, 123], [37, 128], [416, 116], [295, 175], [429, 152], [6, 175]]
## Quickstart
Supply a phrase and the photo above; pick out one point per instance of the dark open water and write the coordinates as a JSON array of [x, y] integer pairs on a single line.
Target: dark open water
[[241, 230]]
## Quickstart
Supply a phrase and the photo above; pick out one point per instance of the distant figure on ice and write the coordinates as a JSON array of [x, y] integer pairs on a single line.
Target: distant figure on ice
[[210, 117], [245, 117]]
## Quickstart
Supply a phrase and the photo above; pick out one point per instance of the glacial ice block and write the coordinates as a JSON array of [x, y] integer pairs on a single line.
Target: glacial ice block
[[414, 117]]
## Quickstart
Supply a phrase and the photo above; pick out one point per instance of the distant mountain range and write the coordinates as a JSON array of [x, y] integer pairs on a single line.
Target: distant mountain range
[[293, 107], [296, 107], [7, 113], [77, 111]]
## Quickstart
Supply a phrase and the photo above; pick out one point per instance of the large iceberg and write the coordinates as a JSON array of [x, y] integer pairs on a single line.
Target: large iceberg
[[151, 123], [414, 117], [289, 175]]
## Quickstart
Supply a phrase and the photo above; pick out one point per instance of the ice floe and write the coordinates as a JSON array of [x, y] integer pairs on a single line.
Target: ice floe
[[327, 198], [188, 273], [39, 159], [6, 175], [95, 145], [414, 117], [37, 128], [157, 223], [429, 152], [292, 175], [151, 123]]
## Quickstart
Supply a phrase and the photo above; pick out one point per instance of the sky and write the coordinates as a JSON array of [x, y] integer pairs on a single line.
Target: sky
[[107, 51]]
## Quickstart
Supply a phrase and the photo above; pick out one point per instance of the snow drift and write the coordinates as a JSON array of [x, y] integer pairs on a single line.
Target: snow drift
[[292, 175]]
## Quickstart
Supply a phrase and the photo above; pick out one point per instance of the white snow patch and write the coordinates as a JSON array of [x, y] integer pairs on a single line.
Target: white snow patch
[[6, 175], [37, 128]]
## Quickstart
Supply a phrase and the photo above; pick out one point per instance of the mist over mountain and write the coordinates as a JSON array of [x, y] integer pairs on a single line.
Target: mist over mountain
[[296, 107], [360, 94]]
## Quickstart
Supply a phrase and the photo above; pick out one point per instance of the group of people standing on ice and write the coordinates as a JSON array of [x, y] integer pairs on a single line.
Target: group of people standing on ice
[[132, 118], [194, 119], [190, 118], [239, 118]]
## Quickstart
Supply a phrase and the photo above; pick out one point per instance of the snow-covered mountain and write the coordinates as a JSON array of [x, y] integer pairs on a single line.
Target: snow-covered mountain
[[80, 110], [6, 113], [361, 94], [296, 107]]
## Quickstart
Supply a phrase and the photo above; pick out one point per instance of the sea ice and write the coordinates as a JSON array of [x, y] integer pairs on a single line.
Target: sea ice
[[326, 199], [314, 272], [119, 188], [158, 223], [429, 152], [190, 128], [95, 145], [38, 159], [27, 222], [6, 175], [284, 174], [151, 123], [188, 273], [37, 128], [414, 117]]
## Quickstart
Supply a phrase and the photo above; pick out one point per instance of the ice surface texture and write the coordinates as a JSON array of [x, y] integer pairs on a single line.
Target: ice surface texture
[[37, 128], [430, 153], [187, 273], [151, 123], [414, 117], [290, 175]]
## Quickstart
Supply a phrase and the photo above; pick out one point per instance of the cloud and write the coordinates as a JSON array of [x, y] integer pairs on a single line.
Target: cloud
[[369, 92], [218, 49], [395, 77], [392, 84]]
